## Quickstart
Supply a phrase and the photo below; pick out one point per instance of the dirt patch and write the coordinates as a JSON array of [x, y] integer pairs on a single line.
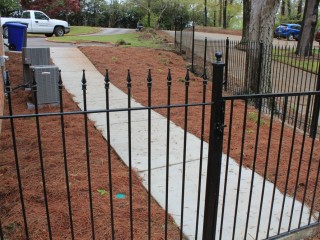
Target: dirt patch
[[52, 150], [139, 60]]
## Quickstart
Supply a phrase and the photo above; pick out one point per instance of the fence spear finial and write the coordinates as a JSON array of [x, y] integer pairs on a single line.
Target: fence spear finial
[[84, 80], [106, 79], [129, 79], [149, 78], [187, 78], [7, 83], [60, 78], [169, 78]]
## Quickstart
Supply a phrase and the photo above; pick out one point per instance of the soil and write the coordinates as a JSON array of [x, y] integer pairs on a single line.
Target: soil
[[118, 60]]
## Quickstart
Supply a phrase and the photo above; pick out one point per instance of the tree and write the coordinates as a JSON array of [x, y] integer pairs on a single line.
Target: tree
[[259, 29], [8, 6], [310, 20], [299, 9], [246, 20], [53, 8]]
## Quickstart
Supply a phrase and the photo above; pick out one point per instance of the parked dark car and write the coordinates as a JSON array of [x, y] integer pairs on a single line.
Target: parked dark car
[[288, 31], [317, 37]]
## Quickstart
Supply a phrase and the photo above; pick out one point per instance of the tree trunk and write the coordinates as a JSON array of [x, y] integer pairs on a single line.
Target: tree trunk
[[246, 20], [283, 8], [262, 20], [289, 8], [225, 5], [149, 14], [299, 9], [205, 14], [309, 23], [220, 12]]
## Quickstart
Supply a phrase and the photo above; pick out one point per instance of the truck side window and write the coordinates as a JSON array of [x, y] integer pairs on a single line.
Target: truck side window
[[26, 15], [40, 16]]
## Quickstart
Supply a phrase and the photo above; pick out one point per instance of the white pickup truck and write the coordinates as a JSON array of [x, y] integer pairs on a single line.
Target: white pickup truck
[[37, 22]]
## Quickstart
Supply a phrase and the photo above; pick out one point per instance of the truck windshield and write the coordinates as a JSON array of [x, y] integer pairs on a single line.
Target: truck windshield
[[25, 15]]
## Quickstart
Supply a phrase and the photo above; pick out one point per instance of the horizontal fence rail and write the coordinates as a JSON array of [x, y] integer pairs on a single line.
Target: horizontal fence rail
[[267, 172]]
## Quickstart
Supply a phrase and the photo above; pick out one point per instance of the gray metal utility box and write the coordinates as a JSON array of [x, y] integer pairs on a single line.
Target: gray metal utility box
[[32, 56], [47, 78]]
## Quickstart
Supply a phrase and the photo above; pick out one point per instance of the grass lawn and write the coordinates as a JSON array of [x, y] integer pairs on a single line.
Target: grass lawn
[[82, 30], [130, 39], [288, 56]]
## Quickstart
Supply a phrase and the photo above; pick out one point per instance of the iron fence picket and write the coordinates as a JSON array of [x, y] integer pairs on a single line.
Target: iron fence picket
[[240, 168], [300, 161], [16, 157], [278, 162], [187, 79], [307, 182], [266, 166], [253, 166], [43, 178], [169, 83], [129, 85], [65, 160], [290, 162], [149, 85], [107, 93], [85, 116], [227, 168], [203, 114]]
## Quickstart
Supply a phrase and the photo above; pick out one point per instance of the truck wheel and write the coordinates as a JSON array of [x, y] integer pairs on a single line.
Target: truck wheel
[[49, 34], [58, 31], [5, 32]]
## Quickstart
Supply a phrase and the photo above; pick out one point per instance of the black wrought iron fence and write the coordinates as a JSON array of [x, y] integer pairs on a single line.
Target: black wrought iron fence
[[253, 67], [265, 172]]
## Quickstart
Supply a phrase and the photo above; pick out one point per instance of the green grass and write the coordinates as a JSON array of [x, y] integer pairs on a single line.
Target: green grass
[[308, 64], [82, 30], [131, 39]]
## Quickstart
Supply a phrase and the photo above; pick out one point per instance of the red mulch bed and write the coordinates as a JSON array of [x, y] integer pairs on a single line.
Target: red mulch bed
[[27, 145]]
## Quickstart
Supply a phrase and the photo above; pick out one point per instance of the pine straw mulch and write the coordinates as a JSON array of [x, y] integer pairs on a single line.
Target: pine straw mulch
[[51, 142], [139, 60]]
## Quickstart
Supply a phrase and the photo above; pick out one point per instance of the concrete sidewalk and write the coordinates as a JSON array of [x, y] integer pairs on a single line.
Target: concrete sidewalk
[[71, 62]]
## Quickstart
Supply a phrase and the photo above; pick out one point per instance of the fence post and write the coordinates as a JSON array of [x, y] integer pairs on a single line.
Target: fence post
[[227, 65], [316, 109], [192, 56], [205, 54], [175, 31], [260, 67], [215, 152]]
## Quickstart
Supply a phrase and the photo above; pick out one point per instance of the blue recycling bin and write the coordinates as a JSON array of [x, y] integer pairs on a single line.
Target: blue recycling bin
[[17, 35]]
